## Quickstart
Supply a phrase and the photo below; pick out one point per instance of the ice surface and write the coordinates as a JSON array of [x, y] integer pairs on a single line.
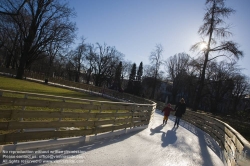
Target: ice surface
[[158, 145]]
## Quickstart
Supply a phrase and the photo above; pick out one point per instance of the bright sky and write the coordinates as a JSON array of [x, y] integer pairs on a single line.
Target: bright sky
[[134, 27]]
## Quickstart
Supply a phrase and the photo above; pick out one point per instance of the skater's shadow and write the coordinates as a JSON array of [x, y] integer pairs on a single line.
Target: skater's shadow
[[156, 130], [169, 137]]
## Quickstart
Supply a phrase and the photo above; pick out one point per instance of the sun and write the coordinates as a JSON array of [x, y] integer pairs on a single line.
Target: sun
[[203, 46]]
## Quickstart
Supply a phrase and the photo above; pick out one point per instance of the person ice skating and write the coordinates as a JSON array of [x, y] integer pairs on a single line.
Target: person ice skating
[[166, 111], [180, 109]]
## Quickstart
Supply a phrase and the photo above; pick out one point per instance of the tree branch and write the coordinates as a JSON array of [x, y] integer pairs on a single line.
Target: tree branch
[[17, 12]]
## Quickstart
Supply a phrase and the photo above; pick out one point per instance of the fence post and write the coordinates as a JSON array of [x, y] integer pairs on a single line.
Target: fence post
[[132, 118], [24, 107], [91, 103], [61, 111], [114, 120], [60, 118], [21, 119], [100, 111], [127, 122], [88, 119]]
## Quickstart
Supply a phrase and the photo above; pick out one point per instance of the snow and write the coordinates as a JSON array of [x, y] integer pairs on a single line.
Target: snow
[[158, 145]]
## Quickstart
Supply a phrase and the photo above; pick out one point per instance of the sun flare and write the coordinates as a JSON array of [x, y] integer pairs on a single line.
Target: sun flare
[[203, 46]]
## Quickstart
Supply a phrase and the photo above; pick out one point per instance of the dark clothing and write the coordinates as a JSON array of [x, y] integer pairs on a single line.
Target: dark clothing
[[180, 109], [177, 120], [167, 110]]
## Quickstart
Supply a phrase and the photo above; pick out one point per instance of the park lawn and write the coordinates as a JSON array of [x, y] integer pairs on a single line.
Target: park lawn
[[13, 84]]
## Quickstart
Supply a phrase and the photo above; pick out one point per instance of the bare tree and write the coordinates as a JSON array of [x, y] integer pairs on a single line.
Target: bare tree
[[219, 85], [90, 61], [241, 88], [105, 61], [148, 81], [10, 42], [215, 32], [77, 59], [177, 67], [126, 68], [11, 7], [40, 23], [156, 61]]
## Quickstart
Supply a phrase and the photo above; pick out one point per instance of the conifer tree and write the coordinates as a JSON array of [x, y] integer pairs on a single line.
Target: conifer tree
[[117, 80], [140, 72], [138, 83], [130, 86]]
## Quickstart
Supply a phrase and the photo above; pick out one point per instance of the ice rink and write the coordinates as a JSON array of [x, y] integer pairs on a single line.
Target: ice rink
[[157, 145]]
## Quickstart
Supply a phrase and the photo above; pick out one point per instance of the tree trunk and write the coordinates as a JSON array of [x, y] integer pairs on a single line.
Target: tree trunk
[[201, 84], [88, 78], [8, 60], [153, 91], [20, 70], [97, 80], [235, 104], [77, 76], [174, 97]]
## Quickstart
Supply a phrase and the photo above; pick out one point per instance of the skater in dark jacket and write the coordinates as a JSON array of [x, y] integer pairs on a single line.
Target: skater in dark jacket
[[180, 109], [166, 111]]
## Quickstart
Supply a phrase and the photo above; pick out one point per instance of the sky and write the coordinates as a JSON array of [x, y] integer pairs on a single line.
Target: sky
[[135, 27]]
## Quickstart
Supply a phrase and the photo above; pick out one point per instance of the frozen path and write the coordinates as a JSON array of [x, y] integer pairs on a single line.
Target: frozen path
[[157, 145]]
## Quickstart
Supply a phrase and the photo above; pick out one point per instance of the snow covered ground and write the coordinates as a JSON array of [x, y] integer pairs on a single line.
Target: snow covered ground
[[158, 145]]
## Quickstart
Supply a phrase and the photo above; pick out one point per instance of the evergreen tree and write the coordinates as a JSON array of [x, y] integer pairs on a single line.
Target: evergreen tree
[[138, 83], [140, 72], [130, 86], [117, 80]]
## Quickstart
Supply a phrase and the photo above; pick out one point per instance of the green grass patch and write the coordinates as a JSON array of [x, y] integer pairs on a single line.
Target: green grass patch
[[13, 84]]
